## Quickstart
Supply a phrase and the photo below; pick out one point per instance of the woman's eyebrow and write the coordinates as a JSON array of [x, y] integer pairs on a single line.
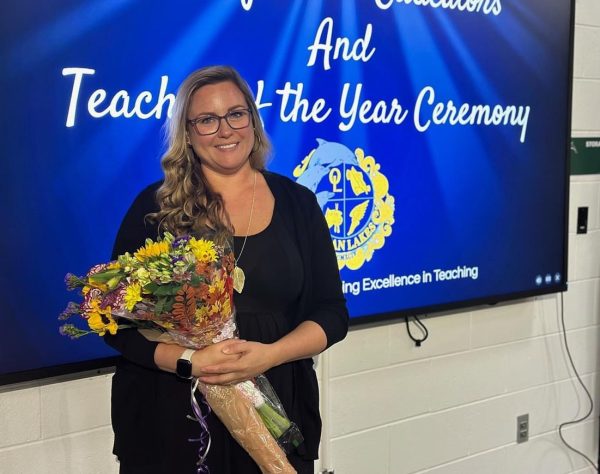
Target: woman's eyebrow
[[233, 107]]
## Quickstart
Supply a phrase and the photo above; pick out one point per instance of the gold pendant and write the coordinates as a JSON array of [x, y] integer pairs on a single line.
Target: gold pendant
[[238, 279]]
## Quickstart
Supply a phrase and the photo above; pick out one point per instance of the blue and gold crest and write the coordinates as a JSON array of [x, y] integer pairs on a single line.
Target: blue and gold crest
[[353, 195]]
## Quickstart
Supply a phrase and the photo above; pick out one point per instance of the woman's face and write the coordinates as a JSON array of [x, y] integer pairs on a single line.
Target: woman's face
[[227, 150]]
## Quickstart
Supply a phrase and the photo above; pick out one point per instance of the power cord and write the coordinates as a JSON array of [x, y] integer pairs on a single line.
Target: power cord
[[567, 423], [421, 327]]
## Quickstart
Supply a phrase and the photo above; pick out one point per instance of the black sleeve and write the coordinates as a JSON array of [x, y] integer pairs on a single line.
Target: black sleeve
[[329, 304], [133, 232], [135, 228]]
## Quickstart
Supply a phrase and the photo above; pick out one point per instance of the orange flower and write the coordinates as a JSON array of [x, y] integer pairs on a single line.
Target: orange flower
[[184, 307]]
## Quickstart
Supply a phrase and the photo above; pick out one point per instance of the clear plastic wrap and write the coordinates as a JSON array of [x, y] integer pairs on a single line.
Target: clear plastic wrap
[[181, 290], [243, 421]]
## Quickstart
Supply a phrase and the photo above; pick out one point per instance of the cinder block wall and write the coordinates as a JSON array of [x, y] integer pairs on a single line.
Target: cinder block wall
[[61, 428], [448, 407]]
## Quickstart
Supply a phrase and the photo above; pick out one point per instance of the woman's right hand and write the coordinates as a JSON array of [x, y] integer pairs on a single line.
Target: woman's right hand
[[214, 354]]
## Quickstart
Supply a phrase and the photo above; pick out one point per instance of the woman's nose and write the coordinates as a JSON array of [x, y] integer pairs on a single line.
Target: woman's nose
[[224, 129]]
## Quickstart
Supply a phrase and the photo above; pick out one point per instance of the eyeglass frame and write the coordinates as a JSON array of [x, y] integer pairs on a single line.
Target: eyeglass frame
[[193, 122]]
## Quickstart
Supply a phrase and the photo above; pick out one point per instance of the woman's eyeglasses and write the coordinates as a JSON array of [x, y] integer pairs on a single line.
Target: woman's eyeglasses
[[209, 124]]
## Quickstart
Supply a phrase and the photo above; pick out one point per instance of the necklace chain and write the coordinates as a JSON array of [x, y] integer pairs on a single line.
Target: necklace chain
[[249, 221]]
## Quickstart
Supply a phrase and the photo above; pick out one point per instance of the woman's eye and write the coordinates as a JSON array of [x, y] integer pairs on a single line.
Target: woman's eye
[[208, 120], [237, 114]]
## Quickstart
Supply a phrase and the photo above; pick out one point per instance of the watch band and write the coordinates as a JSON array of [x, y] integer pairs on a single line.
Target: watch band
[[187, 354], [183, 368]]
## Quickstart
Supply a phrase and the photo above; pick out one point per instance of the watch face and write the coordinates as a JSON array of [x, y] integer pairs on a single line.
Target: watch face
[[184, 369]]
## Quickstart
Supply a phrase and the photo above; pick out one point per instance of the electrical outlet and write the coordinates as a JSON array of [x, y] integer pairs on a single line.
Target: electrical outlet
[[582, 220], [523, 428]]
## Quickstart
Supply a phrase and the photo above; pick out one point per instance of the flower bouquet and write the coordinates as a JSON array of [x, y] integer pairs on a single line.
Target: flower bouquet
[[182, 287]]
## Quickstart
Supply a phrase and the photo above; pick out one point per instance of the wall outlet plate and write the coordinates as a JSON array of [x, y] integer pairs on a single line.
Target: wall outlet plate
[[523, 428]]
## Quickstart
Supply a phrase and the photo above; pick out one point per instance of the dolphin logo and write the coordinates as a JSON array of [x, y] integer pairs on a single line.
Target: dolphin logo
[[326, 156]]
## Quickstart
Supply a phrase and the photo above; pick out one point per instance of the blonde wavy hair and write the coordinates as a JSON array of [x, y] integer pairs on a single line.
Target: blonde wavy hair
[[187, 202]]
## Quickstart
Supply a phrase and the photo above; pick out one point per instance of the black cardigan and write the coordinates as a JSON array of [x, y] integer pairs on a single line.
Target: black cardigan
[[135, 418]]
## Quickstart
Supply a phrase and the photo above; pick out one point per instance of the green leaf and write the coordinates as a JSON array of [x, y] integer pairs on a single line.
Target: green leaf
[[196, 280], [106, 275], [168, 305], [151, 287], [167, 290], [163, 305], [159, 307]]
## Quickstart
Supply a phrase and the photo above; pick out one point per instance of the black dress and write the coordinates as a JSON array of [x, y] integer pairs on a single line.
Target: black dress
[[273, 269], [291, 276]]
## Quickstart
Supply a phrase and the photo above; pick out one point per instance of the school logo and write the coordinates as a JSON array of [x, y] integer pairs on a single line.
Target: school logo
[[353, 195]]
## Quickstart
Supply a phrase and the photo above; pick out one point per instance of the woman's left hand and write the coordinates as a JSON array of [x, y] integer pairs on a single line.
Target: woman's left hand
[[255, 358], [306, 340]]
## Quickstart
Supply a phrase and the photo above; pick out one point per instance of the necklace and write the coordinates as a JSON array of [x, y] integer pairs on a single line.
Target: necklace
[[239, 277]]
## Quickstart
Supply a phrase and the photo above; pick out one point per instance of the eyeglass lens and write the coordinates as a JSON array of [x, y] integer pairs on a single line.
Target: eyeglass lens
[[209, 124]]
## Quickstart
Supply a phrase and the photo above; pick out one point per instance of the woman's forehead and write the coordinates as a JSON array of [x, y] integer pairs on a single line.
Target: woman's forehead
[[216, 98]]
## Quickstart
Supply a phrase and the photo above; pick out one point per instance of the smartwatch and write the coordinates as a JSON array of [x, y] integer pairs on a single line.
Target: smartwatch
[[184, 364]]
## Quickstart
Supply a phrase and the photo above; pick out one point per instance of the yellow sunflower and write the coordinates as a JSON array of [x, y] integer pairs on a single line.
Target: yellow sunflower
[[152, 249], [203, 250], [100, 321]]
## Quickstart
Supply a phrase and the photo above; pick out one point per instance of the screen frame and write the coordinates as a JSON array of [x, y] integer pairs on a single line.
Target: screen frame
[[99, 366], [379, 318], [74, 370]]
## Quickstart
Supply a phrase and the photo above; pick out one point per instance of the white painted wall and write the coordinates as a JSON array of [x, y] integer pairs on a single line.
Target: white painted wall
[[448, 407]]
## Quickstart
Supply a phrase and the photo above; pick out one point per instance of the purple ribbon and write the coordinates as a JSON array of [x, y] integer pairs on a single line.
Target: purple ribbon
[[204, 438]]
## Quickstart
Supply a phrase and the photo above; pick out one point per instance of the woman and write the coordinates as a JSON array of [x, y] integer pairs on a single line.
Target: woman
[[290, 308]]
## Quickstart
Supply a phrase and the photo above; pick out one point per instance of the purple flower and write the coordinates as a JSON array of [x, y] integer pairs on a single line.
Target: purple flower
[[181, 241], [71, 331], [115, 298], [73, 281], [97, 269], [70, 310], [93, 294]]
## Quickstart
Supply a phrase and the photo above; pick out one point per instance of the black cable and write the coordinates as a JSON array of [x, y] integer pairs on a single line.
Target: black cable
[[560, 427], [421, 326]]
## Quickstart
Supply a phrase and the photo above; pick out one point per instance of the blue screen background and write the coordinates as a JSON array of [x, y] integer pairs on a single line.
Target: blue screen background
[[464, 195]]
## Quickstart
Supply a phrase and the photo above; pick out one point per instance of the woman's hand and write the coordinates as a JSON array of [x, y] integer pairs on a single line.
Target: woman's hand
[[214, 355], [166, 355], [253, 358], [247, 360]]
